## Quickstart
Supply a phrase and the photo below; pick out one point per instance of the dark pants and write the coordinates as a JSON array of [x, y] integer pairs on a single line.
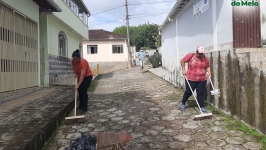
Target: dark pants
[[200, 88], [83, 95]]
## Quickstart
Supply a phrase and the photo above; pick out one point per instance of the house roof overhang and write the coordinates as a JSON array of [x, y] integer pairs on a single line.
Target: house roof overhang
[[47, 6], [107, 39], [178, 7]]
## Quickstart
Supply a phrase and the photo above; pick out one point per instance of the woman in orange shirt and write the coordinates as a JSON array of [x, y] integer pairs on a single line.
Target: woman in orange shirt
[[84, 74]]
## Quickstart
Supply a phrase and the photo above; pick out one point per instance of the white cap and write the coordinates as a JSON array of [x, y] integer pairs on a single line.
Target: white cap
[[200, 49]]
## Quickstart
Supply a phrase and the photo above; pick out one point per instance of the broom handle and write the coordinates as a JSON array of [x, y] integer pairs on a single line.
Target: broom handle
[[193, 94], [75, 111], [210, 81]]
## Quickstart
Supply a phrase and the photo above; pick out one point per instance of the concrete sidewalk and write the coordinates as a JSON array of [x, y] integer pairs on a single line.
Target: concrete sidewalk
[[160, 71], [27, 122]]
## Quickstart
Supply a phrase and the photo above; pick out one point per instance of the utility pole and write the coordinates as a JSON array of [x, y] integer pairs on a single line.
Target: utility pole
[[128, 39]]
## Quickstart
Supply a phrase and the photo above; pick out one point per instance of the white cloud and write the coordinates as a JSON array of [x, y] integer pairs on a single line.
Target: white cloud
[[154, 13]]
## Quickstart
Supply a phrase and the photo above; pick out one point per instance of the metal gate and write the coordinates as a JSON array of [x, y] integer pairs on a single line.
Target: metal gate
[[18, 50]]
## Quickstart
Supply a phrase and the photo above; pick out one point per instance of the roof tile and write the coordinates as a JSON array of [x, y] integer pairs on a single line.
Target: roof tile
[[104, 35]]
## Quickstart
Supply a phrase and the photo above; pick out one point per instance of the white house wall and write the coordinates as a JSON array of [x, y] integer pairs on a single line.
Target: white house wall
[[108, 61], [193, 32], [105, 52], [224, 23], [169, 48], [213, 27]]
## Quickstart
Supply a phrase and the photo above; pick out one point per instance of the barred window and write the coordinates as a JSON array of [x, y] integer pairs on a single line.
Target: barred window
[[92, 49], [117, 49]]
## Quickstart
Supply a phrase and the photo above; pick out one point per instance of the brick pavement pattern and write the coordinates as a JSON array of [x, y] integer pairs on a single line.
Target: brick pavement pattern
[[147, 107], [27, 121]]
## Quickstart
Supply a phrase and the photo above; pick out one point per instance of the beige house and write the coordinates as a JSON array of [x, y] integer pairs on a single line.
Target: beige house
[[107, 49]]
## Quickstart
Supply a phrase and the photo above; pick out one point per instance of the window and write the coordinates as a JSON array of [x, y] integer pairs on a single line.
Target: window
[[117, 49], [62, 42], [92, 49], [72, 4], [66, 1]]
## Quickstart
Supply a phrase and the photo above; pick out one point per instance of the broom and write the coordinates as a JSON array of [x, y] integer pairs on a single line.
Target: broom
[[202, 115], [214, 91], [75, 118]]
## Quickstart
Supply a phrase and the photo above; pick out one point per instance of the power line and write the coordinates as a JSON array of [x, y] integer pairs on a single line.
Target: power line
[[103, 23], [108, 10], [129, 4], [135, 6], [108, 7], [131, 16], [152, 2], [159, 8], [135, 15], [146, 16]]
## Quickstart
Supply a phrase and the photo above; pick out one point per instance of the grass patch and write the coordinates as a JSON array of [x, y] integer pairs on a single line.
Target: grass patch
[[94, 84], [248, 131], [212, 107], [169, 84], [236, 125], [50, 142]]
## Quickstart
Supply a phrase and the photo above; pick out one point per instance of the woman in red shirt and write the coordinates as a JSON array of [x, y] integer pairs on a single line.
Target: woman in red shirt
[[198, 64], [84, 74]]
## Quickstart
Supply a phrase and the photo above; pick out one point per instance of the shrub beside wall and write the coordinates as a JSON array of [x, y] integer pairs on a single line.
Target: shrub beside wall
[[155, 60]]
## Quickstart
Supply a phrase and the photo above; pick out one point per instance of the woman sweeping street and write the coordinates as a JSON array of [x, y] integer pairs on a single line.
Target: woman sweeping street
[[84, 75], [198, 64]]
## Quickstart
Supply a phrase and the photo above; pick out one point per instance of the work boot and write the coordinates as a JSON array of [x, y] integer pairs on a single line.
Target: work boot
[[204, 110]]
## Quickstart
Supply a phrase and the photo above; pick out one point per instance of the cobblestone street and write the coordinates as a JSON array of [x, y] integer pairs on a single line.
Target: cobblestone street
[[147, 107]]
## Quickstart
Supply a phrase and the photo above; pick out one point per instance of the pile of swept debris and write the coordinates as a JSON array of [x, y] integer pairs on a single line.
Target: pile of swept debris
[[102, 141]]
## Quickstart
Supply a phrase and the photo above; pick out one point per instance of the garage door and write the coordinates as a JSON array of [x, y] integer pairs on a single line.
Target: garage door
[[18, 50]]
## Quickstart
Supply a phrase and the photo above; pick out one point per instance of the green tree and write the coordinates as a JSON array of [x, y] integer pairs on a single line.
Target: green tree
[[145, 35], [158, 42], [122, 30]]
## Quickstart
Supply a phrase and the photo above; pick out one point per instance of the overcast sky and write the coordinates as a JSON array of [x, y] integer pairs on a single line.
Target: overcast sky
[[155, 12]]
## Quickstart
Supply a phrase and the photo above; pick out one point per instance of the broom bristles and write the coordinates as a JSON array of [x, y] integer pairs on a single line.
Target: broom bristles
[[77, 120], [203, 116]]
